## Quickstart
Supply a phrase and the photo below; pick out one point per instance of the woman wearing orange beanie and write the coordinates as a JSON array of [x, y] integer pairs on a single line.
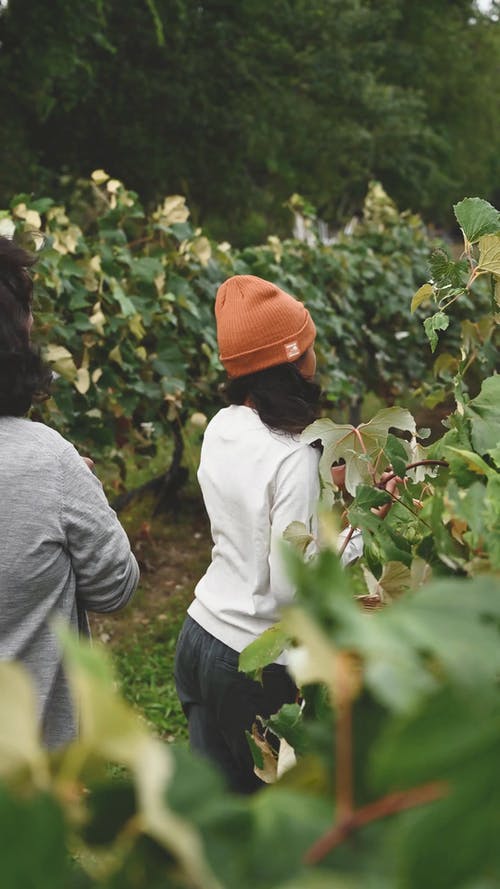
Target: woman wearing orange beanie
[[256, 477]]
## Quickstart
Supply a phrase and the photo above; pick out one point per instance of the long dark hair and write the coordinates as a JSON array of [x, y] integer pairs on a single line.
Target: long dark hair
[[284, 400], [23, 376]]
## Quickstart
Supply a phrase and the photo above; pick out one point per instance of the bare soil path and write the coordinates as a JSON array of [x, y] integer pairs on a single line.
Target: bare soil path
[[173, 552]]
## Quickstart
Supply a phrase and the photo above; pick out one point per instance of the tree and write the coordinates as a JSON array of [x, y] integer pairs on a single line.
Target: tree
[[237, 105]]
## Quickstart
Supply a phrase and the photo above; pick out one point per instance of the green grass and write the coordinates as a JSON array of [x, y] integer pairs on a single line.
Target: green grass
[[173, 552], [145, 668]]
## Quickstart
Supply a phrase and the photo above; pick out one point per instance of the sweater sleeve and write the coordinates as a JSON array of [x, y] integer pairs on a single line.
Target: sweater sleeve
[[295, 500], [105, 569]]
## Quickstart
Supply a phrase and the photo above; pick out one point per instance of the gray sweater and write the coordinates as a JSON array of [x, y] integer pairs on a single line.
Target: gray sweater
[[62, 551]]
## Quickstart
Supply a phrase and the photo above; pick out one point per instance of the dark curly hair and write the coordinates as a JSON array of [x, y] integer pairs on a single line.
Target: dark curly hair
[[284, 400], [23, 376]]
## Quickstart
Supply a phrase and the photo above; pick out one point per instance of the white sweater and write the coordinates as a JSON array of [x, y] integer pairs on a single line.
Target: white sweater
[[254, 483]]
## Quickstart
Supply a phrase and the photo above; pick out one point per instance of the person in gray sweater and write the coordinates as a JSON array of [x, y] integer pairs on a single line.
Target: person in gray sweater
[[62, 548]]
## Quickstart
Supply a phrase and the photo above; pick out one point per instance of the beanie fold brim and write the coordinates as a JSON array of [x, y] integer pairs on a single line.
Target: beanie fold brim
[[287, 350]]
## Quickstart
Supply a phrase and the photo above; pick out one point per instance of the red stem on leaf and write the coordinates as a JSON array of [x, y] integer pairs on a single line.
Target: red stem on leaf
[[413, 466], [346, 541], [343, 751], [382, 808]]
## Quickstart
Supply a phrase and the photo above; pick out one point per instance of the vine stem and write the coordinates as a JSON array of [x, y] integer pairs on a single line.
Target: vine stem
[[382, 808], [343, 746], [414, 466], [346, 541]]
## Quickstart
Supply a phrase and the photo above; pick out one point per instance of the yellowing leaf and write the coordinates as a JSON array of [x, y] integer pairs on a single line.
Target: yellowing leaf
[[141, 353], [201, 248], [423, 294], [109, 728], [268, 772], [58, 215], [286, 758], [19, 735], [98, 318], [489, 254], [136, 326], [474, 462], [276, 246], [82, 382], [31, 217], [313, 660], [96, 375], [395, 579], [7, 227], [61, 360], [445, 363], [198, 419], [99, 177], [116, 355], [160, 283], [113, 185], [173, 210], [298, 536], [420, 573]]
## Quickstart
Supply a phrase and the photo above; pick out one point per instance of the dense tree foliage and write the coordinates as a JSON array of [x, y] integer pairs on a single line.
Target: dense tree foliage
[[124, 312], [237, 105]]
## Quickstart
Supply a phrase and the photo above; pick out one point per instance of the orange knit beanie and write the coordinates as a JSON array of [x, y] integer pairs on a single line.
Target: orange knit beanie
[[259, 325]]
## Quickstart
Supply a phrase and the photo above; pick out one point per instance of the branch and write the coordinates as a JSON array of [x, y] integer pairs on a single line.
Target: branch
[[382, 808], [346, 541], [343, 767], [413, 466]]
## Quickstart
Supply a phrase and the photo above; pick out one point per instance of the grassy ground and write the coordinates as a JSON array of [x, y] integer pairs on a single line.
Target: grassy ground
[[173, 552]]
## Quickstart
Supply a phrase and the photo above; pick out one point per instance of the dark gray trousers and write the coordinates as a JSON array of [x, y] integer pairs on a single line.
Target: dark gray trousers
[[220, 703]]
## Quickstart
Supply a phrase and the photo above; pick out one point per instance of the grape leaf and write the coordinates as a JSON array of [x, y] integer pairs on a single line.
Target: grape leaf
[[476, 218], [483, 413], [489, 254], [439, 321], [360, 446], [423, 294]]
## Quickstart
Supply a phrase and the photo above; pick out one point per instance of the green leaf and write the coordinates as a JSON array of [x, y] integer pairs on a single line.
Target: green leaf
[[255, 750], [476, 218], [34, 842], [396, 454], [264, 650], [368, 497], [483, 413], [439, 321], [445, 271], [126, 305], [453, 738], [288, 723]]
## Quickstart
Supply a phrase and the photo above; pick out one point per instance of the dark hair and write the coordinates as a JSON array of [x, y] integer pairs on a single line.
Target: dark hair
[[284, 399], [23, 376]]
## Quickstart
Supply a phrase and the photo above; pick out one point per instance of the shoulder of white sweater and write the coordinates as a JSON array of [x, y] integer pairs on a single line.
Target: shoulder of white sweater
[[237, 420]]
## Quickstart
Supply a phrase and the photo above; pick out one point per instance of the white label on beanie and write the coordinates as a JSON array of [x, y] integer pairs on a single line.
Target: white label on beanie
[[292, 350]]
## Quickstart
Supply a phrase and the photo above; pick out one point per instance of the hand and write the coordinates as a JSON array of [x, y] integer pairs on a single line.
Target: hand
[[90, 463], [338, 475], [388, 482]]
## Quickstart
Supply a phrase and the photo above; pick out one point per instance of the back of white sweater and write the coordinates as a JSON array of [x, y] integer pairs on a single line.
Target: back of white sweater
[[254, 483]]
